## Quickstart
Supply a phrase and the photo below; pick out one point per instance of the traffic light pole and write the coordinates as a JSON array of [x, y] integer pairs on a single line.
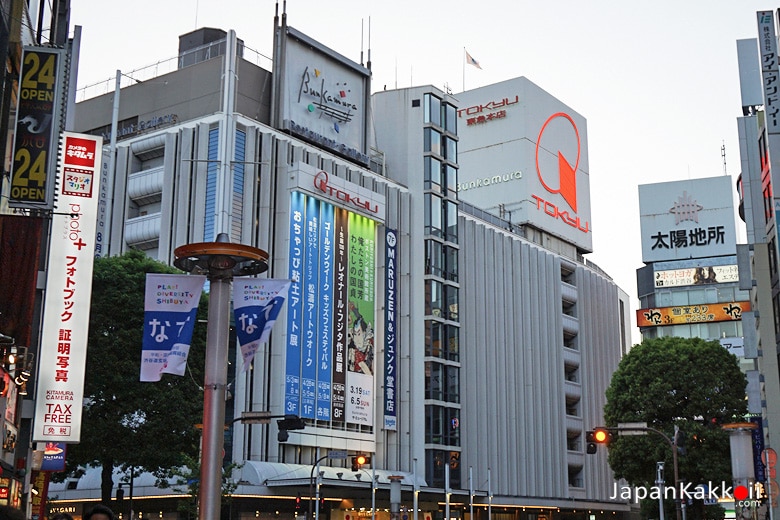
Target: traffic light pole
[[316, 467]]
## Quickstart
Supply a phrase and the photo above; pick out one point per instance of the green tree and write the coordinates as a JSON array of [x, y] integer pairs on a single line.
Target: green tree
[[127, 423], [666, 382]]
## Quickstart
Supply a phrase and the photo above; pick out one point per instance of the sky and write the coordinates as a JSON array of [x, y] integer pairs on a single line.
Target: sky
[[656, 81]]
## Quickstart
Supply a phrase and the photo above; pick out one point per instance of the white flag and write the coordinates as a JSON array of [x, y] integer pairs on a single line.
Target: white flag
[[256, 305], [170, 305], [471, 61]]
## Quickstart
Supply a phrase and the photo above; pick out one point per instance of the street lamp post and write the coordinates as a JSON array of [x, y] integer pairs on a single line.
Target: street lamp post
[[220, 261]]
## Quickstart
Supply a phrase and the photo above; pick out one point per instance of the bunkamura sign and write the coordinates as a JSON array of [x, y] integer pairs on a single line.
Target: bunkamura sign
[[63, 350], [686, 219], [37, 127], [703, 313], [324, 96], [525, 154]]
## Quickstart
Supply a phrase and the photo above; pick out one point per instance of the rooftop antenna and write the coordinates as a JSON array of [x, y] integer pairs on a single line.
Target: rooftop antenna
[[723, 154], [368, 63], [361, 41]]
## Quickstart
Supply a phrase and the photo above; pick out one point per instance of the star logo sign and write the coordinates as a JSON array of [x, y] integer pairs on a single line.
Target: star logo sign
[[685, 209], [567, 172]]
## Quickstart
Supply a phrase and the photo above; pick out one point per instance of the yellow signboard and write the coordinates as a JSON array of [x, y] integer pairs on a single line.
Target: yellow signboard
[[704, 313]]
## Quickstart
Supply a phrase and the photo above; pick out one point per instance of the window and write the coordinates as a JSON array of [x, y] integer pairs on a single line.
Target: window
[[450, 149], [434, 259], [432, 141], [451, 207], [432, 109], [451, 179], [451, 296], [433, 215], [433, 174], [450, 114], [451, 263], [434, 298]]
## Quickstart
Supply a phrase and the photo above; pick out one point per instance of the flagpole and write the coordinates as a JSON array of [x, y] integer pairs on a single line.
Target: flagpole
[[463, 61]]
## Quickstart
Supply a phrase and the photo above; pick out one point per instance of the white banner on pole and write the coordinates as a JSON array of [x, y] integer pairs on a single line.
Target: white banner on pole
[[256, 305]]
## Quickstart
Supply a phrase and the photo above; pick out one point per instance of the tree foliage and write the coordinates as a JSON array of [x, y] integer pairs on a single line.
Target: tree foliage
[[127, 423], [666, 382]]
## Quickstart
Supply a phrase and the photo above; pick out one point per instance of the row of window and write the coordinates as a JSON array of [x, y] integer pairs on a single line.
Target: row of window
[[442, 381]]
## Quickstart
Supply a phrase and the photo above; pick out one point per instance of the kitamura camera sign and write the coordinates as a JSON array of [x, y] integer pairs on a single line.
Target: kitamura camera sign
[[524, 155], [687, 219]]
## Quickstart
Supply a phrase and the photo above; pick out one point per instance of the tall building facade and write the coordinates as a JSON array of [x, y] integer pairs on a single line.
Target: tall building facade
[[478, 347], [759, 155]]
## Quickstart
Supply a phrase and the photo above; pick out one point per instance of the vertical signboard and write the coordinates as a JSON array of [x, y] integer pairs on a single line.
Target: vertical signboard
[[390, 379], [292, 379], [361, 320], [340, 316], [37, 128], [63, 349], [324, 350], [330, 322]]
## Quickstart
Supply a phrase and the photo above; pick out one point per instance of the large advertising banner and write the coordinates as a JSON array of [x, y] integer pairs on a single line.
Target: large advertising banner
[[37, 125], [63, 349], [331, 319], [696, 276], [701, 313]]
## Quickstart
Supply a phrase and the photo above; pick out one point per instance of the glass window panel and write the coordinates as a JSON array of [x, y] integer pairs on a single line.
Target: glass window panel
[[450, 148], [433, 215], [453, 334], [435, 338], [451, 178], [434, 302], [450, 118], [432, 141], [432, 110], [434, 258], [451, 263], [452, 302], [452, 220], [433, 173]]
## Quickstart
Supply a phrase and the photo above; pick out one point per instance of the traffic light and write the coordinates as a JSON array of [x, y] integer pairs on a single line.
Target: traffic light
[[358, 461], [322, 500], [595, 437], [298, 503]]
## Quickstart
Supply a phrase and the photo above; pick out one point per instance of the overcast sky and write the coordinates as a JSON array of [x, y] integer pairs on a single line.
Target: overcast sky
[[656, 81]]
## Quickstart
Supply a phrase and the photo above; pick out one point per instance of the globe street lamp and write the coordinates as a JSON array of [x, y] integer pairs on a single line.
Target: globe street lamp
[[220, 261]]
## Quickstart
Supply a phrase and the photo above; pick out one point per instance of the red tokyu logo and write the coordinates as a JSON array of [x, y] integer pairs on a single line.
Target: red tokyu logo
[[567, 174]]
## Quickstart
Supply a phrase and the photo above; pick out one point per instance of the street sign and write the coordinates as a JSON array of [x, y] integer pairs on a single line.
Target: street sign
[[632, 428], [261, 417], [337, 454]]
